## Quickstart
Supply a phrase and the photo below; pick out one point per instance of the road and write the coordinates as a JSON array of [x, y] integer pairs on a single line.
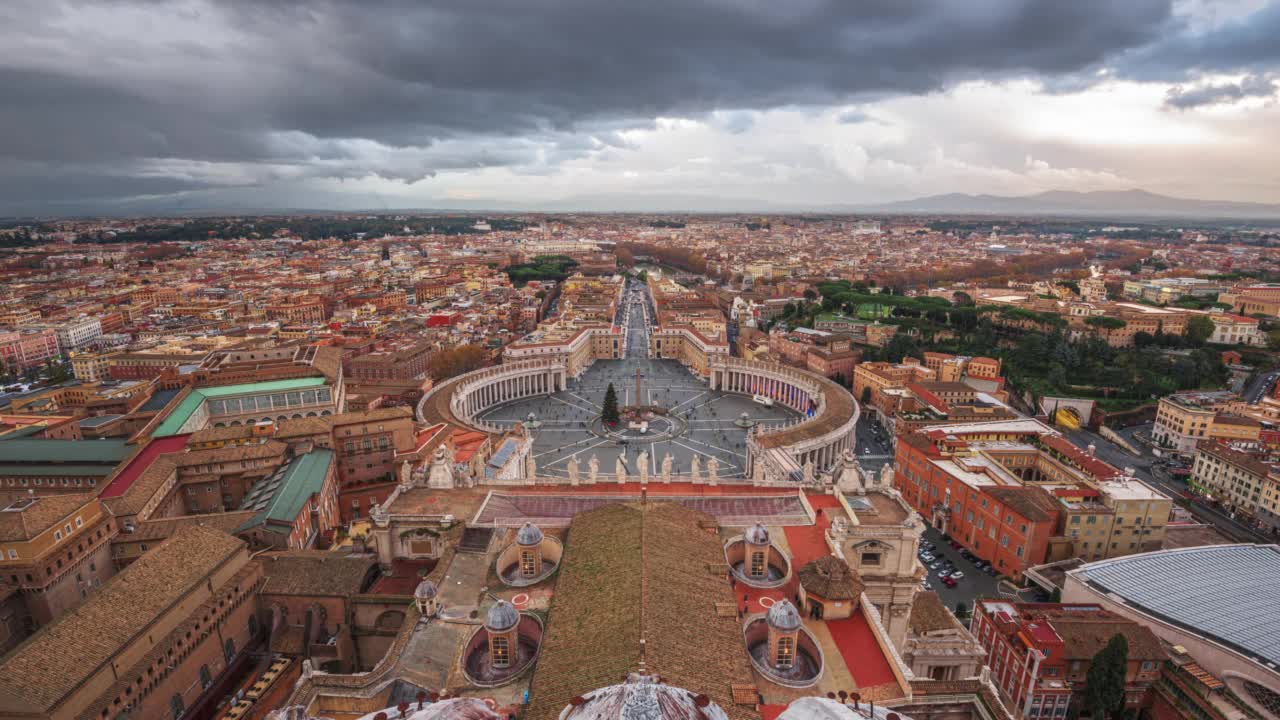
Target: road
[[1148, 469], [875, 447], [1260, 386], [975, 583]]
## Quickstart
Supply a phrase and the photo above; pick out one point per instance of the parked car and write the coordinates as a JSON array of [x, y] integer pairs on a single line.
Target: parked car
[[935, 565], [949, 582], [945, 573], [989, 570], [957, 575]]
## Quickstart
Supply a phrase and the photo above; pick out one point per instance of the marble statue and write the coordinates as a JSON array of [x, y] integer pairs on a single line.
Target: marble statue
[[593, 469]]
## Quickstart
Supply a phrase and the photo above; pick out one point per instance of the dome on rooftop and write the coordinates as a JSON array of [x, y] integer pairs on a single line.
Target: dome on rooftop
[[757, 535], [783, 616], [425, 590], [643, 697], [528, 535], [501, 617]]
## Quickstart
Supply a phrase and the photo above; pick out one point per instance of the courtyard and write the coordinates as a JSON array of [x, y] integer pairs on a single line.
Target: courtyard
[[700, 423]]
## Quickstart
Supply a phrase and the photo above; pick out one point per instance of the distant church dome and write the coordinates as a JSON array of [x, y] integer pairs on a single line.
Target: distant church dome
[[529, 535], [783, 616], [757, 535], [502, 616]]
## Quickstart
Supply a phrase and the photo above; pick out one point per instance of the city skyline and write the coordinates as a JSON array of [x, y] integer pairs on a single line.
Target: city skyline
[[173, 107]]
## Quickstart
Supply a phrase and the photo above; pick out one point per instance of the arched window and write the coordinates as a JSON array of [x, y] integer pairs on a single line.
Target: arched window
[[229, 651], [176, 706], [253, 625], [1266, 697], [206, 679]]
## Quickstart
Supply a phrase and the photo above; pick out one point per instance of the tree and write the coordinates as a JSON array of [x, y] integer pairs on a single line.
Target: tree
[[810, 295], [1104, 694], [962, 610], [609, 410], [450, 362], [1199, 329], [866, 395]]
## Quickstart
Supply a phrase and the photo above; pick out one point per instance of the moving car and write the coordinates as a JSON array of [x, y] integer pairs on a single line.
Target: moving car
[[765, 401]]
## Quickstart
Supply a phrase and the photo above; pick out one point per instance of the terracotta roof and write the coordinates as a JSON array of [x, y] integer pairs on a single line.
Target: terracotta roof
[[51, 664], [44, 513], [231, 453], [628, 567], [315, 573], [1084, 636], [152, 530], [1029, 501], [831, 578], [364, 416], [929, 614]]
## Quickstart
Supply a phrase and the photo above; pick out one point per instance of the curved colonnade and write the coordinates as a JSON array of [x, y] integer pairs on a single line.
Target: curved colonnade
[[818, 440], [824, 430]]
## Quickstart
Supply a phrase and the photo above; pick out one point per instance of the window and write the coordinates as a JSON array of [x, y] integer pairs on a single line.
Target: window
[[176, 706], [757, 564], [786, 653], [528, 564], [206, 679], [499, 651], [13, 554], [870, 558]]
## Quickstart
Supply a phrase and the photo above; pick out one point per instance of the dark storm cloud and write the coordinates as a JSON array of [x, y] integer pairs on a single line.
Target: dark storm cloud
[[1252, 86], [295, 88], [1245, 44]]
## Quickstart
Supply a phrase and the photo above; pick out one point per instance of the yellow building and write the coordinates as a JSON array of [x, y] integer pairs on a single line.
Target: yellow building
[[1184, 419]]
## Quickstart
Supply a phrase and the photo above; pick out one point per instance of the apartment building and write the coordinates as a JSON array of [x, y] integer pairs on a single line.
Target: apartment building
[[153, 642], [1242, 481], [56, 551], [1184, 419], [1040, 654], [28, 348]]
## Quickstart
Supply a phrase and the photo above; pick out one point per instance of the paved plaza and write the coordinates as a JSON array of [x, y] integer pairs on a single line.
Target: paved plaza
[[706, 421]]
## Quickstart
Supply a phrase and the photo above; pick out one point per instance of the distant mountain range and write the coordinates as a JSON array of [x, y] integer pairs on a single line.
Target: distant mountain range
[[1117, 205], [1106, 203]]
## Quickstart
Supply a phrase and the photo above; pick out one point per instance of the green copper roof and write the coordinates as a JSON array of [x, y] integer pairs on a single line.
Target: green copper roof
[[192, 402], [280, 497], [107, 451]]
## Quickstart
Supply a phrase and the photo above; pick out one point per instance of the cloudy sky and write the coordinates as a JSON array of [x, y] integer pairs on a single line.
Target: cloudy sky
[[367, 103]]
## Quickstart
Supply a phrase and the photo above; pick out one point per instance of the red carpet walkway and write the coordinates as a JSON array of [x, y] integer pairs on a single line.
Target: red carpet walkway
[[862, 654], [808, 543]]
